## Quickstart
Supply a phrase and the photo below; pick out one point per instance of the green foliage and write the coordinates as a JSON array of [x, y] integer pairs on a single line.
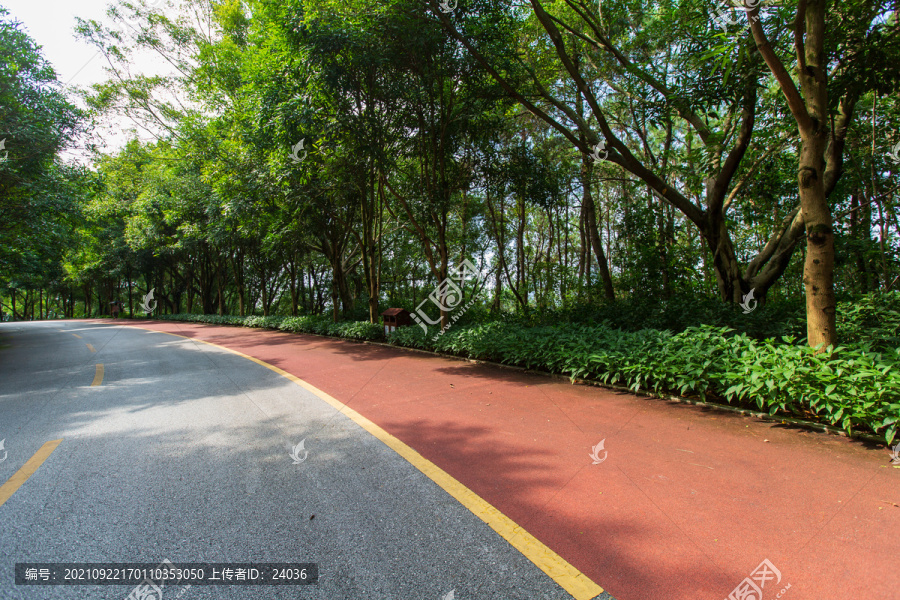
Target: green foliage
[[263, 322], [851, 388], [677, 314], [209, 319], [410, 337], [360, 330], [319, 325], [872, 319], [415, 158], [37, 190]]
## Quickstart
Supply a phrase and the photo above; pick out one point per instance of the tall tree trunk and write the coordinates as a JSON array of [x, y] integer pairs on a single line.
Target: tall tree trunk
[[316, 294], [371, 211], [191, 277], [88, 293], [130, 295], [662, 244], [498, 288], [809, 106], [860, 235], [591, 227], [498, 228], [293, 283], [584, 256], [306, 304], [521, 281], [220, 284], [264, 289], [335, 298], [237, 263]]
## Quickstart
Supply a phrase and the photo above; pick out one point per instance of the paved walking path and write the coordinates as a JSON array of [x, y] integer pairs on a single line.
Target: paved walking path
[[687, 503]]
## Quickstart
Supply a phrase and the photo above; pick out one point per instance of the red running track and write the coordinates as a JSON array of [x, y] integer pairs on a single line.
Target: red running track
[[688, 502]]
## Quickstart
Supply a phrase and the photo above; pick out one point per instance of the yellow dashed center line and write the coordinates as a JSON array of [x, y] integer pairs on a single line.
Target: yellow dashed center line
[[76, 335], [27, 470], [91, 348], [98, 376]]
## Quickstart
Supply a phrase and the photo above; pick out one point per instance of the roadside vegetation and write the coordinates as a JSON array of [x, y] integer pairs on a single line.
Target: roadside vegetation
[[660, 195], [855, 387]]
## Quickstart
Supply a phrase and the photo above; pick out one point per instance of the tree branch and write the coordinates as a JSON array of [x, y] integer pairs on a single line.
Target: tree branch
[[785, 82]]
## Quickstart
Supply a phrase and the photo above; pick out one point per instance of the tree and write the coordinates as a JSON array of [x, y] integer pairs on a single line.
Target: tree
[[622, 59], [813, 105]]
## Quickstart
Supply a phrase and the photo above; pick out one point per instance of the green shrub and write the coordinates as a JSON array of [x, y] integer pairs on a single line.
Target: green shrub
[[361, 330], [210, 319], [851, 388], [873, 319], [410, 337], [270, 322], [674, 314], [298, 324], [321, 325]]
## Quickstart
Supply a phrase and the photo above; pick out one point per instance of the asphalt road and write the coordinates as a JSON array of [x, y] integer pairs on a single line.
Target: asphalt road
[[180, 451]]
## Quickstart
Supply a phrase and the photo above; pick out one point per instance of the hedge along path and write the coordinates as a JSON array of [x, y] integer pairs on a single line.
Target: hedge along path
[[850, 388]]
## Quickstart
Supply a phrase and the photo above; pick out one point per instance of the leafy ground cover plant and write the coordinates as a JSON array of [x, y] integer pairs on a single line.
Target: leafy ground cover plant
[[854, 388]]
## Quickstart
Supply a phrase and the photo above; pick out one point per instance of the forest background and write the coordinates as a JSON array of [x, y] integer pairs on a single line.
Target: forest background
[[679, 196]]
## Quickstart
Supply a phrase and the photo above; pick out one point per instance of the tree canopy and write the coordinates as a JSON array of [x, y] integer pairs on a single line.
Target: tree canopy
[[311, 156]]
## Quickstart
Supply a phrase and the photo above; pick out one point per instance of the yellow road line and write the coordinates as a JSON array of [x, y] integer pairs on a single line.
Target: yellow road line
[[98, 375], [91, 348], [27, 470], [76, 335], [556, 567]]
